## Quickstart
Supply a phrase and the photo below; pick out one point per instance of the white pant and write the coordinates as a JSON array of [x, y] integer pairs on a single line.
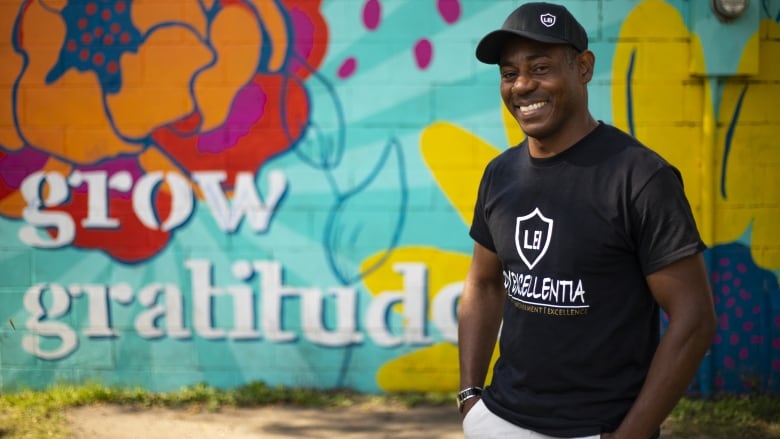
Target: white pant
[[481, 423]]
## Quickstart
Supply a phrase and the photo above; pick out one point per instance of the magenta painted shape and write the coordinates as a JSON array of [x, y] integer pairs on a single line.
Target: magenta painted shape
[[372, 14], [304, 37], [15, 166], [248, 108], [112, 166], [347, 68], [449, 10], [724, 322], [423, 53]]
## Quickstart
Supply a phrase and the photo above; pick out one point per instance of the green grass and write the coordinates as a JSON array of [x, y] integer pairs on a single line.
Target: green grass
[[34, 414], [746, 417]]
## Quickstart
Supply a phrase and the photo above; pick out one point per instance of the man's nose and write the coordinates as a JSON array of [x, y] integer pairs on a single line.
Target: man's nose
[[523, 84]]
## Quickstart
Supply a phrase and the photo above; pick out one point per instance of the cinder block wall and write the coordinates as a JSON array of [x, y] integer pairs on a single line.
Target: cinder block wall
[[281, 191]]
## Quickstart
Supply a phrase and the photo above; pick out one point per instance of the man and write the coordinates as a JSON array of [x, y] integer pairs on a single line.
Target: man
[[581, 233]]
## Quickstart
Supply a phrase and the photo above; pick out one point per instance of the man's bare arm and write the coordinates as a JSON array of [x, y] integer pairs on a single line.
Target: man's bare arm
[[683, 291], [479, 318]]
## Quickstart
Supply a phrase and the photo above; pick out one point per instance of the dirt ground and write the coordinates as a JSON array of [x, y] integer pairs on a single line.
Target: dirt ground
[[272, 422]]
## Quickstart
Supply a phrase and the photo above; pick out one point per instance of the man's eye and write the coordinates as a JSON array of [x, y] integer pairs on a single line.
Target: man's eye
[[508, 75], [540, 69]]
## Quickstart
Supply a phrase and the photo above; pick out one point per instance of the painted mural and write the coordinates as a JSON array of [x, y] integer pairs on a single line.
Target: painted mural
[[280, 190]]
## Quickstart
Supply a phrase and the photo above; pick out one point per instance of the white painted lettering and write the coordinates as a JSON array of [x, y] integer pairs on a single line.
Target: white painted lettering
[[329, 317], [98, 185], [414, 302], [172, 311], [181, 200], [345, 332], [246, 200], [64, 231], [59, 307]]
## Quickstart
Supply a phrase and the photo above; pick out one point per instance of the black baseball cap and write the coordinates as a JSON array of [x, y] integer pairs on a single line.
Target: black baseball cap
[[544, 22]]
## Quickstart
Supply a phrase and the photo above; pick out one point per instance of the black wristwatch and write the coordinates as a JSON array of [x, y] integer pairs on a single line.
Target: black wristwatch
[[466, 394]]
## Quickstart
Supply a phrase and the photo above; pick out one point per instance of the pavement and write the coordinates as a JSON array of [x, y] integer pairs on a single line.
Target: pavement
[[268, 422]]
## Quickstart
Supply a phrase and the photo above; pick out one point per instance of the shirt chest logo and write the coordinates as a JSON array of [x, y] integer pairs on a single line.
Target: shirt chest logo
[[532, 237]]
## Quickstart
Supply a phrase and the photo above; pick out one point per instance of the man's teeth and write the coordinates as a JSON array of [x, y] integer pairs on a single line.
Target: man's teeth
[[536, 106]]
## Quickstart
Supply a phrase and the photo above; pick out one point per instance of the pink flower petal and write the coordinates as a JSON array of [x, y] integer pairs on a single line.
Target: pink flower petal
[[347, 68], [372, 14], [449, 10], [423, 53]]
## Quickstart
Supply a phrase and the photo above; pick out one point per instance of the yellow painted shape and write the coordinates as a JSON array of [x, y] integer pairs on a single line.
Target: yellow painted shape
[[156, 87], [753, 166], [667, 103], [216, 87], [457, 159], [648, 20], [444, 268], [62, 119], [432, 368], [750, 57], [10, 68], [769, 31]]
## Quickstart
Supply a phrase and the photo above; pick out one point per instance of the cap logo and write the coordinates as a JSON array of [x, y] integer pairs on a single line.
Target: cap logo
[[547, 19]]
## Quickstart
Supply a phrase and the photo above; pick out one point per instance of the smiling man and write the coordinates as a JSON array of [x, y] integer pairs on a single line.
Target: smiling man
[[582, 235]]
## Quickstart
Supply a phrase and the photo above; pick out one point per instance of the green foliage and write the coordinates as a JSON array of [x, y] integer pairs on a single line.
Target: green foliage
[[745, 417]]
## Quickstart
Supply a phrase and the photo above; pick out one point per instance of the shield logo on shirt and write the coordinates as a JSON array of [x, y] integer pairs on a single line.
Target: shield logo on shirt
[[532, 237]]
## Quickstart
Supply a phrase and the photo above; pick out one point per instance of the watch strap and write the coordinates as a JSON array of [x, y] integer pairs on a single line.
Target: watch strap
[[466, 394]]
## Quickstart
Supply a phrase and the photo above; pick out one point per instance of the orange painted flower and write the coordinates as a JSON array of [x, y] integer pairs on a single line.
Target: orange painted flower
[[141, 86]]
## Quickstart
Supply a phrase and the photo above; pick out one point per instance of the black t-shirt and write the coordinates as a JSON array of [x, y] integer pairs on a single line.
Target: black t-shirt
[[576, 234]]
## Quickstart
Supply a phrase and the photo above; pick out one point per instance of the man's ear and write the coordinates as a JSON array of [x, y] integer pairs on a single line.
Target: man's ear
[[585, 62]]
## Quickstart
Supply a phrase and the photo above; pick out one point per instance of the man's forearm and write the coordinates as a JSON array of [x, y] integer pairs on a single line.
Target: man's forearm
[[479, 319], [676, 361]]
